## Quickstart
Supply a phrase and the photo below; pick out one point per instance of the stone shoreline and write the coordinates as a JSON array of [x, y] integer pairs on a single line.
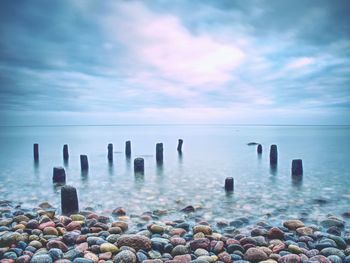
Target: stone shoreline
[[41, 236]]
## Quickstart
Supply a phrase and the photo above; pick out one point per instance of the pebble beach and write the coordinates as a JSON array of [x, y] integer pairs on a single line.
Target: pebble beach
[[40, 235]]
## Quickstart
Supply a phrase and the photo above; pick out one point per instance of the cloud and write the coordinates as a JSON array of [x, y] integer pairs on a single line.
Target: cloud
[[162, 43], [300, 63], [183, 61]]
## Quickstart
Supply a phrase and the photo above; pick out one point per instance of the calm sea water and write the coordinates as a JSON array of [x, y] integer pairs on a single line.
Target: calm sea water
[[210, 154]]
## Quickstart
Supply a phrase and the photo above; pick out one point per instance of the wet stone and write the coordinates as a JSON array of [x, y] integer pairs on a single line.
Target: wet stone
[[43, 258], [125, 256], [255, 255]]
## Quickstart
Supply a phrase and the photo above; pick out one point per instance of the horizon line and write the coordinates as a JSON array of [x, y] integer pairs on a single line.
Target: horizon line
[[170, 124]]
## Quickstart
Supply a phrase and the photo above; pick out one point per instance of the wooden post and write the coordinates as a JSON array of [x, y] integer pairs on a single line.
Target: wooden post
[[179, 145], [84, 164], [69, 200], [297, 167], [110, 152], [59, 175], [139, 165], [259, 149], [229, 184], [273, 154], [159, 152], [65, 152], [128, 148], [36, 151]]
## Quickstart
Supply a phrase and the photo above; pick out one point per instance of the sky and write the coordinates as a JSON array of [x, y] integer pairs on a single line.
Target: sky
[[169, 62]]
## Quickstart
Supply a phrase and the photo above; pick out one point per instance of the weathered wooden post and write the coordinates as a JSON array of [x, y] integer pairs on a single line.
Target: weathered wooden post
[[84, 164], [159, 152], [69, 200], [59, 175], [259, 149], [128, 148], [110, 152], [36, 151], [65, 152], [297, 167], [273, 154], [229, 183], [179, 145], [139, 165]]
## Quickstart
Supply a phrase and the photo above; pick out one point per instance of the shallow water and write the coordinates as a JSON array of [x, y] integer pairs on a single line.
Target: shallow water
[[210, 154]]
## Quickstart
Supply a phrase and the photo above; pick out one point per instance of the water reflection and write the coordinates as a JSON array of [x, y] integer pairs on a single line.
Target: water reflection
[[84, 175], [159, 170], [36, 167], [273, 169], [110, 167], [128, 163], [139, 179], [297, 181]]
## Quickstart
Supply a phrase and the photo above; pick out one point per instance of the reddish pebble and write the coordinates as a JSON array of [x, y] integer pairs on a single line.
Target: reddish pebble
[[81, 239], [47, 224], [82, 247], [177, 232], [57, 244], [232, 241], [7, 261], [275, 233], [105, 256], [95, 229], [177, 241], [276, 249], [74, 225], [182, 258], [200, 243], [225, 257]]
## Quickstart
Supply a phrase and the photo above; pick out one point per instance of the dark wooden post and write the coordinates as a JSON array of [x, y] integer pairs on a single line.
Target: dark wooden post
[[69, 200], [128, 148], [110, 152], [84, 164], [159, 152], [273, 154], [139, 165], [297, 167], [259, 149], [229, 184], [59, 175], [65, 152], [179, 145], [36, 151]]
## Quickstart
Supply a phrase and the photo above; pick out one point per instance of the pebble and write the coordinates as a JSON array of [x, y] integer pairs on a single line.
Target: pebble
[[293, 224], [255, 255], [108, 247], [125, 256], [43, 258], [135, 241]]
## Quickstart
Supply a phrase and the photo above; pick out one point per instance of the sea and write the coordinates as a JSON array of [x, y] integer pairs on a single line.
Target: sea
[[195, 177]]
